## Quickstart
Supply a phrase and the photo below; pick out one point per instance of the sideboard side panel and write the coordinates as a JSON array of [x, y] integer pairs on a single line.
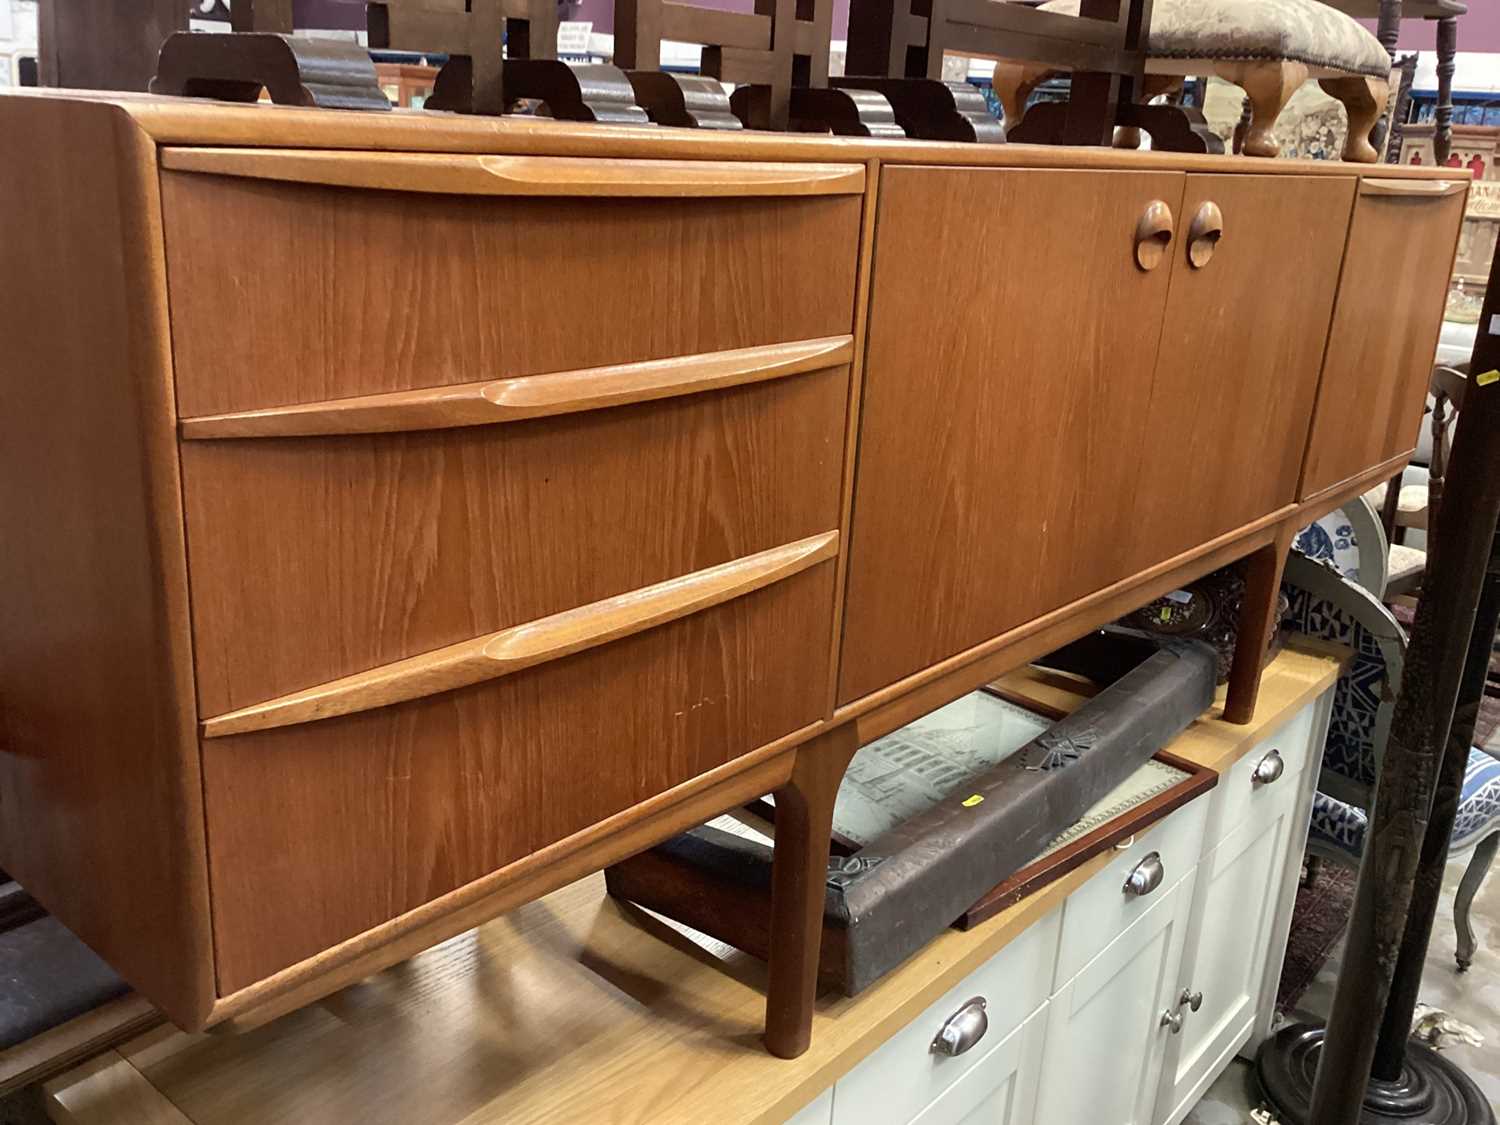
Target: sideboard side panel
[[1385, 328], [101, 812]]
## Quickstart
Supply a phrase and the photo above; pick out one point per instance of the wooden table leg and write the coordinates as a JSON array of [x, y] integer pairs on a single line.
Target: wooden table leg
[[1262, 590], [804, 821]]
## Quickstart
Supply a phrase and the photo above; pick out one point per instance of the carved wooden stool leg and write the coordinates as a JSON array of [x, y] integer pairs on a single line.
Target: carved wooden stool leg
[[1364, 101], [1257, 614], [804, 821], [1270, 85], [1013, 83], [1479, 866]]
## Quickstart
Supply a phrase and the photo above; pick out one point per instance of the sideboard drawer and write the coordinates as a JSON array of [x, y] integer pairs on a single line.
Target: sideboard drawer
[[312, 558], [319, 829], [905, 1075], [1102, 908], [299, 277]]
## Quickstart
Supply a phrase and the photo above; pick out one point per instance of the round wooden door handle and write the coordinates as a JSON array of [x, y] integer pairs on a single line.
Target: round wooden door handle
[[1153, 234], [1204, 233]]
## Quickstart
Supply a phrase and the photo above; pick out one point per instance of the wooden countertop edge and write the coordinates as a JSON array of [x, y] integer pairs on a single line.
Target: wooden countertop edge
[[185, 121], [708, 1068]]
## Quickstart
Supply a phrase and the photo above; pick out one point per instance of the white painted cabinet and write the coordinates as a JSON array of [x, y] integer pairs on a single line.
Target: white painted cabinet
[[1103, 1053], [1081, 1008], [1237, 885]]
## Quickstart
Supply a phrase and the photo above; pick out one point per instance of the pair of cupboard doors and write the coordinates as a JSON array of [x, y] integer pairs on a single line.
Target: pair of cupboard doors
[[1075, 376]]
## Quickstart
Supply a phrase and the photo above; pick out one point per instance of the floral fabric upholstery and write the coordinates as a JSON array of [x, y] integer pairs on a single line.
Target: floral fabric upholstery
[[1343, 826], [1297, 30]]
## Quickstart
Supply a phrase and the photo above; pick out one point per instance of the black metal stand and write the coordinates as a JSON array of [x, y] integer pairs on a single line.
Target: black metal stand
[[1343, 1076]]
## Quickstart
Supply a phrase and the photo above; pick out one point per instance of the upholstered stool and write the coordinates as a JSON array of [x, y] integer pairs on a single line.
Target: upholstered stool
[[1268, 48]]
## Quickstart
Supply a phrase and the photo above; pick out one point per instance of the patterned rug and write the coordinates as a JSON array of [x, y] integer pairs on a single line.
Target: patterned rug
[[1318, 921]]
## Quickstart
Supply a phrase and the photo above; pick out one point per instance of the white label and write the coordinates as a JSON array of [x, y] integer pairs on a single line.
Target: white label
[[1495, 324], [1179, 597], [573, 37]]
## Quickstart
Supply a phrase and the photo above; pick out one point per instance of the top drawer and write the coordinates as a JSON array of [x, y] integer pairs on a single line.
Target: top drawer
[[297, 277]]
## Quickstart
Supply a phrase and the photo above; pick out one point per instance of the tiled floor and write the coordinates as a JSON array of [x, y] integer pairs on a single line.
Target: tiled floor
[[1472, 997]]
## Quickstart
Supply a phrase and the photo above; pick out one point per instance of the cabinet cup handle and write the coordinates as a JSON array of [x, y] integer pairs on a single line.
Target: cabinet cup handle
[[963, 1029], [1204, 233], [1268, 769], [1153, 234], [1146, 876]]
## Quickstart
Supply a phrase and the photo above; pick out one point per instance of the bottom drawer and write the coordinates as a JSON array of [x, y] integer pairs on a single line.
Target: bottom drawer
[[322, 830], [1102, 908], [905, 1075]]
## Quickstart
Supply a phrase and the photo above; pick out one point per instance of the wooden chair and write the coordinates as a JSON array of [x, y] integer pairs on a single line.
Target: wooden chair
[[777, 56], [1269, 48], [1324, 604]]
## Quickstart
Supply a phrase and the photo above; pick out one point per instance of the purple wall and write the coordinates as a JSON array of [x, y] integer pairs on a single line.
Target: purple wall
[[602, 12], [1478, 30]]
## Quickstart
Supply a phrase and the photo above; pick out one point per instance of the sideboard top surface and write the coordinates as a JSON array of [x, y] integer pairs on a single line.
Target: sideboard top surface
[[187, 121]]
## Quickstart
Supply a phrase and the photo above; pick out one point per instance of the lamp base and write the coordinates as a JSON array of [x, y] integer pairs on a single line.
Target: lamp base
[[1430, 1091]]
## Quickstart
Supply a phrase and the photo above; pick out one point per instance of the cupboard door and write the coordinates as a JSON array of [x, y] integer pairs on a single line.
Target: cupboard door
[[1001, 1090], [1238, 891], [1385, 327], [1105, 1040], [1012, 345], [1242, 344]]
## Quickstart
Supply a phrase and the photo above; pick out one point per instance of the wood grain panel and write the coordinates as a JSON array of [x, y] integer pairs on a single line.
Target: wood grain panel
[[531, 396], [317, 558], [283, 293], [361, 818], [100, 798], [1005, 407], [521, 175], [1385, 327], [1242, 347], [524, 646]]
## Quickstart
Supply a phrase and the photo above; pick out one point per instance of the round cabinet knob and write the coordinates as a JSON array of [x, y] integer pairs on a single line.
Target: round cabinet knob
[[1146, 876], [964, 1028], [1194, 1000], [1268, 769], [1153, 234], [1173, 1020], [1204, 233]]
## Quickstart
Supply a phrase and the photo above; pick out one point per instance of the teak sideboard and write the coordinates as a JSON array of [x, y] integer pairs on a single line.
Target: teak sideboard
[[406, 515]]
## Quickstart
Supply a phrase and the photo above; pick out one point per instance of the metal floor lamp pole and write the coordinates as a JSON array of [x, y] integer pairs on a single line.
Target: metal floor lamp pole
[[1416, 800]]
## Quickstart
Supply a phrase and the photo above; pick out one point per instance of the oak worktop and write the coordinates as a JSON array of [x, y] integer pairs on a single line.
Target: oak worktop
[[579, 1008]]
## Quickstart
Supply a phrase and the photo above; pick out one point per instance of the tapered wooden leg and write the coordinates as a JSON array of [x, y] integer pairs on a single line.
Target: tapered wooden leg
[[1257, 614], [1270, 85], [799, 872], [1364, 101]]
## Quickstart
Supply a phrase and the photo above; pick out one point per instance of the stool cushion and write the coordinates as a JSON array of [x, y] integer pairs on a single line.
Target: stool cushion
[[1343, 826], [1296, 30]]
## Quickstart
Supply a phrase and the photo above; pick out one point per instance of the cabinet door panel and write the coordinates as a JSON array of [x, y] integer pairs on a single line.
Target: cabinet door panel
[[1001, 1090], [1103, 1055], [1226, 958], [1385, 328], [1242, 345], [1012, 345]]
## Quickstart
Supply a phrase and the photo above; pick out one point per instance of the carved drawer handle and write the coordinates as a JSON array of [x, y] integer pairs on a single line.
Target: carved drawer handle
[[1204, 233], [1412, 189], [1153, 234], [1146, 876], [963, 1029], [1268, 769]]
